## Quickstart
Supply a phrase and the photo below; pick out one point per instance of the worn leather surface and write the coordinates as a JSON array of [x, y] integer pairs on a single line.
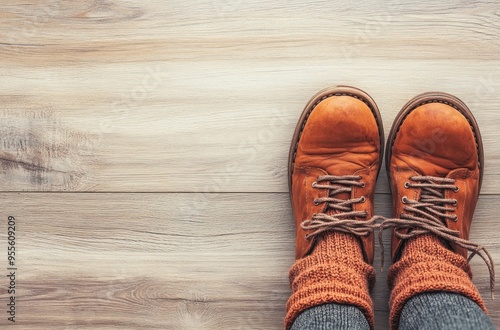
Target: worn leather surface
[[340, 137], [437, 140]]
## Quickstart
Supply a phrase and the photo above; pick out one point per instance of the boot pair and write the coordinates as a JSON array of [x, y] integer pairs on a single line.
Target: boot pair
[[434, 161]]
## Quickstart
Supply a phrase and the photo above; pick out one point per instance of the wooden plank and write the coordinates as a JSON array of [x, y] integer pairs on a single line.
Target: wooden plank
[[168, 97], [53, 144], [219, 29], [168, 261]]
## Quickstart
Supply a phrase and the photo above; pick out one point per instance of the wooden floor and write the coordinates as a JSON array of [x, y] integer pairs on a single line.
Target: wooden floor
[[143, 146]]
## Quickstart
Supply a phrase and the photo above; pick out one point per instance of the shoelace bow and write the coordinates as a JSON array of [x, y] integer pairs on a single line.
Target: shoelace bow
[[345, 219], [427, 216]]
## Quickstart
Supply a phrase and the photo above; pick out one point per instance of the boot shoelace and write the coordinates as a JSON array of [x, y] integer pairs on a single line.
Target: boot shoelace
[[344, 219], [427, 216]]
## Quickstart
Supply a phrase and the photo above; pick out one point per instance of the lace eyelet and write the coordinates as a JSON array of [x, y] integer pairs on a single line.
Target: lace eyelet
[[407, 185], [404, 200], [363, 184], [363, 199], [456, 189], [455, 218], [314, 184], [315, 202], [455, 202]]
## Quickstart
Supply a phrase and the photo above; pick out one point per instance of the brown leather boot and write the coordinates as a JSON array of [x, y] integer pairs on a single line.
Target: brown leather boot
[[435, 166], [334, 161]]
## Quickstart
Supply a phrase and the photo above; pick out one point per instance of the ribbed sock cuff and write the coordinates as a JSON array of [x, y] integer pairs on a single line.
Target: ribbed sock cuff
[[427, 266], [334, 273]]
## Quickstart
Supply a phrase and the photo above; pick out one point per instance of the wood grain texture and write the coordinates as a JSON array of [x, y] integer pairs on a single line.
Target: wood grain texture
[[166, 97], [149, 141], [154, 261]]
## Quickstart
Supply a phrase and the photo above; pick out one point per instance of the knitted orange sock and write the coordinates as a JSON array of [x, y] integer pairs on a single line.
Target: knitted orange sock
[[335, 272], [426, 266]]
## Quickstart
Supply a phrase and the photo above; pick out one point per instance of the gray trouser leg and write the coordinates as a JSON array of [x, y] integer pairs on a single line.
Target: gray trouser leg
[[331, 316], [443, 311]]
